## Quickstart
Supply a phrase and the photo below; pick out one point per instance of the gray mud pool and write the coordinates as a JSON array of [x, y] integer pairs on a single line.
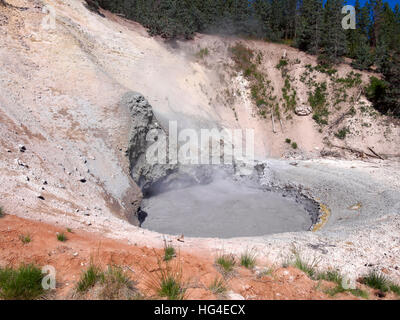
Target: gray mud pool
[[223, 209]]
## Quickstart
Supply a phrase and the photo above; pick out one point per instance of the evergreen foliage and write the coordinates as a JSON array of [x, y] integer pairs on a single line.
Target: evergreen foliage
[[313, 26]]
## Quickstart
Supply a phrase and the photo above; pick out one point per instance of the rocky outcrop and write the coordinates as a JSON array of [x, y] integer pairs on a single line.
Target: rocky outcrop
[[145, 133], [303, 110], [150, 169]]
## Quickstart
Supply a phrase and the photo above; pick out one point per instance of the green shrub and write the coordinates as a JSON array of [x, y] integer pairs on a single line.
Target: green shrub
[[376, 89], [282, 63], [294, 145], [288, 141], [24, 283], [352, 80], [317, 99], [320, 119], [1, 212], [342, 133]]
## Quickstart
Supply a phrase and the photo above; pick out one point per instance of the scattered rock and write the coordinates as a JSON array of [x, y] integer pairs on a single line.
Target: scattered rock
[[83, 180], [303, 110], [41, 198], [234, 296], [21, 148], [20, 163], [330, 153]]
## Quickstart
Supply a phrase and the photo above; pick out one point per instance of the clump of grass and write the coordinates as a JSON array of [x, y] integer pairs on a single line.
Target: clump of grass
[[218, 287], [1, 212], [25, 238], [334, 291], [169, 252], [294, 145], [248, 259], [203, 53], [265, 272], [394, 288], [171, 288], [226, 262], [24, 283], [379, 281], [61, 237], [331, 276], [167, 281], [69, 230], [336, 277], [89, 278], [359, 293], [376, 281], [288, 141], [116, 285], [306, 267]]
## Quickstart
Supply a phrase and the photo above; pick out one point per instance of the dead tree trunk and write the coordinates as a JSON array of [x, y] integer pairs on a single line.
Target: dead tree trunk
[[273, 122]]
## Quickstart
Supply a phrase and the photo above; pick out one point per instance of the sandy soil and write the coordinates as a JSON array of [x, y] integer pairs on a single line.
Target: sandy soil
[[72, 257]]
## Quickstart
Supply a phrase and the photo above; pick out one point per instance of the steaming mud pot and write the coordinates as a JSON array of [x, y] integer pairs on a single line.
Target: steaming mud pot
[[224, 209]]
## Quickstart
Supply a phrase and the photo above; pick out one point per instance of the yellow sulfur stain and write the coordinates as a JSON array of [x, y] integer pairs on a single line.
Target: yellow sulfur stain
[[326, 213], [356, 207]]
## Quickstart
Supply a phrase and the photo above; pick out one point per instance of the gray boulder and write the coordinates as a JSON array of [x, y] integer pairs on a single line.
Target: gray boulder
[[303, 110], [145, 134]]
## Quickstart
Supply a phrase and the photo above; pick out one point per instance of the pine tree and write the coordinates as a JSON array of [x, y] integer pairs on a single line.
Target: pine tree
[[388, 101], [358, 43], [334, 41], [310, 26]]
